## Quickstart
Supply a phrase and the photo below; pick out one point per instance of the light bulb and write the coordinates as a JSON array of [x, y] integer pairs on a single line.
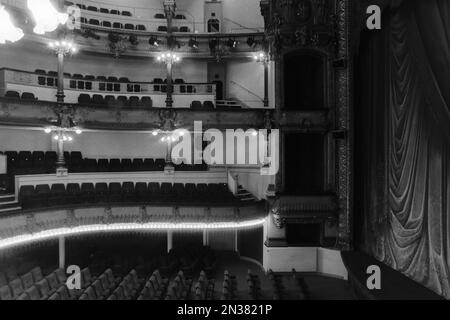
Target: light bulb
[[47, 130]]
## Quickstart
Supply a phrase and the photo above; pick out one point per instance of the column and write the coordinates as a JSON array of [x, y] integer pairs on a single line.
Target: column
[[60, 91], [62, 252], [169, 99], [60, 162], [169, 240], [266, 83], [205, 238]]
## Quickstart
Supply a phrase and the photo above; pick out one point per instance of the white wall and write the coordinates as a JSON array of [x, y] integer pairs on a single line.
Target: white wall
[[250, 75], [26, 58], [305, 259], [242, 12], [91, 144]]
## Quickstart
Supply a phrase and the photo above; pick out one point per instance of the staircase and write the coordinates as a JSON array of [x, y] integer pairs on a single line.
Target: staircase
[[8, 203], [243, 195]]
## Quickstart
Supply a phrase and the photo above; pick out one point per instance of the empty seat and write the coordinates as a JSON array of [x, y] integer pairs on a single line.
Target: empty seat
[[104, 10], [73, 193], [141, 27], [117, 25], [162, 28], [180, 16], [86, 278], [94, 22], [57, 194], [89, 165], [27, 280], [84, 99], [26, 196], [138, 165], [44, 288], [42, 192], [87, 192], [160, 16], [129, 26], [126, 13], [160, 164], [12, 94], [5, 293], [103, 165], [147, 101], [184, 29], [33, 294], [115, 192], [25, 161], [101, 78], [122, 101], [77, 76], [52, 282], [38, 158], [37, 274], [149, 165], [166, 191], [134, 101], [101, 192], [98, 100], [16, 287], [92, 8], [208, 105], [196, 104], [124, 79], [28, 96], [115, 165], [127, 165], [114, 11], [153, 191], [40, 71], [89, 77], [128, 192], [110, 101], [141, 191]]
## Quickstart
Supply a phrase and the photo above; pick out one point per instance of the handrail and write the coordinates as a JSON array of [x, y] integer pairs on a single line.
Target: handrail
[[246, 89], [242, 26]]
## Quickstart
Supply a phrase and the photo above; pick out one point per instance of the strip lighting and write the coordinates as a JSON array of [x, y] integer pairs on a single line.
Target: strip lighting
[[79, 230]]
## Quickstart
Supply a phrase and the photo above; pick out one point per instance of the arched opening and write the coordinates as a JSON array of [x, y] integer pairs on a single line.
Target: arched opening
[[304, 82]]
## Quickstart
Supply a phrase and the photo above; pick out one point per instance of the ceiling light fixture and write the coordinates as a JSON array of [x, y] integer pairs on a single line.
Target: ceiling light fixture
[[47, 18], [8, 32]]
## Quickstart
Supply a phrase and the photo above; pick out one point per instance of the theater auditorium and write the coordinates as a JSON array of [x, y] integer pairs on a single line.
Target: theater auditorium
[[224, 150]]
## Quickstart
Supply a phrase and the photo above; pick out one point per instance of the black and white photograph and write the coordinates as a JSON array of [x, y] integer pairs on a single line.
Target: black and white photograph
[[224, 158]]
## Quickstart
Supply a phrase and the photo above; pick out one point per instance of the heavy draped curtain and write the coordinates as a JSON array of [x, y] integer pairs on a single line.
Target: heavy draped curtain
[[404, 142]]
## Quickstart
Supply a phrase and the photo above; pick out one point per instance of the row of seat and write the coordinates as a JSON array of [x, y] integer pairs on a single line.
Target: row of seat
[[154, 288], [254, 286], [34, 286], [39, 162], [85, 99], [89, 77], [28, 96], [100, 287], [229, 286], [44, 195], [204, 287], [125, 13], [129, 26], [278, 288]]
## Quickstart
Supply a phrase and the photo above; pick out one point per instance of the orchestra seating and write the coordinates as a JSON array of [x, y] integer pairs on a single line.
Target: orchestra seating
[[39, 162], [44, 195]]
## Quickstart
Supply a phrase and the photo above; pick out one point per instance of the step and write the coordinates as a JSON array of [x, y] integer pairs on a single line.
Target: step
[[9, 205], [10, 209], [6, 196], [248, 199], [7, 202]]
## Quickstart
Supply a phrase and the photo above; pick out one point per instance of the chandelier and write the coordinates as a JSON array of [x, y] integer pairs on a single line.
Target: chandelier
[[46, 17], [8, 32], [168, 57]]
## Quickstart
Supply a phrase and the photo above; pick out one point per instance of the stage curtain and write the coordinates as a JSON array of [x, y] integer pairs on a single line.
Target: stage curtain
[[404, 152]]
